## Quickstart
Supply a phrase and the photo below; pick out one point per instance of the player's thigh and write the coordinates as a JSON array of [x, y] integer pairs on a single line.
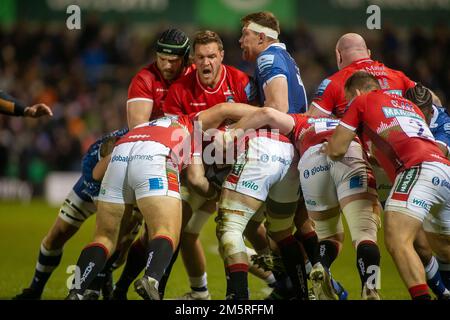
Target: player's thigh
[[162, 215], [318, 189], [422, 192], [353, 175], [257, 169]]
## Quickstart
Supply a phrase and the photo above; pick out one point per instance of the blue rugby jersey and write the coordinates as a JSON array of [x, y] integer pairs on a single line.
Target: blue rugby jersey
[[274, 62], [86, 187]]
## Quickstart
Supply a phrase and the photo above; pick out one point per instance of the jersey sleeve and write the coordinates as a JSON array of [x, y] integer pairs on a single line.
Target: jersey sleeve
[[299, 120], [173, 104], [270, 66], [325, 96], [141, 88], [353, 117], [442, 132], [407, 82]]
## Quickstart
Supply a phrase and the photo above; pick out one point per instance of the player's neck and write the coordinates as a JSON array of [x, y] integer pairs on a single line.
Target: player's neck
[[217, 79]]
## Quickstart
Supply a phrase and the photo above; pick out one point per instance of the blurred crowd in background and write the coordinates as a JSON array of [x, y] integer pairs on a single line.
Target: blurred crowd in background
[[84, 76]]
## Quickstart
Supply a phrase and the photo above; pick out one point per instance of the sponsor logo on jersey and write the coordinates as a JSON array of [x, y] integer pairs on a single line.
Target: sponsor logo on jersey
[[311, 202], [264, 158], [265, 61], [356, 182], [155, 184], [322, 87], [445, 184], [250, 185], [286, 162], [320, 168], [435, 181], [447, 127], [421, 203], [197, 104], [407, 180], [394, 112], [306, 174], [119, 158]]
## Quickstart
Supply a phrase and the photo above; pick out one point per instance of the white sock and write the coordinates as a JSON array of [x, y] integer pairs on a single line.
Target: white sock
[[432, 268], [270, 279], [199, 282]]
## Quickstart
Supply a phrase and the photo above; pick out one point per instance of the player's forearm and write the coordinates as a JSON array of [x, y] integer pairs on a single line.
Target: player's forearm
[[10, 105], [266, 117], [100, 168], [339, 142], [213, 117], [197, 180]]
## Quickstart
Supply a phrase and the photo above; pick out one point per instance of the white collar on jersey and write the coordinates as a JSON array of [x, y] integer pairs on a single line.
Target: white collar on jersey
[[434, 117], [277, 44]]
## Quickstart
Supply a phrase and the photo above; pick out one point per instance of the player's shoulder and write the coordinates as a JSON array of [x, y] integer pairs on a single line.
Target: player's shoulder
[[270, 56], [184, 82], [148, 72], [235, 72]]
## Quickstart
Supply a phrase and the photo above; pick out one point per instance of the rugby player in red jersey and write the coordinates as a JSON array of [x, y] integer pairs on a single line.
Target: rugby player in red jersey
[[352, 55], [144, 170], [213, 82], [395, 131], [146, 95], [148, 88], [329, 187]]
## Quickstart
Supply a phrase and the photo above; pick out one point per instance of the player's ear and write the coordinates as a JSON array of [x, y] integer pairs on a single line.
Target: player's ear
[[261, 38], [358, 93], [369, 52]]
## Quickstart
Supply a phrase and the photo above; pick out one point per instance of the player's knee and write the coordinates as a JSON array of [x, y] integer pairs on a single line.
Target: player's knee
[[277, 225], [331, 228], [363, 222], [73, 213], [197, 222], [231, 222]]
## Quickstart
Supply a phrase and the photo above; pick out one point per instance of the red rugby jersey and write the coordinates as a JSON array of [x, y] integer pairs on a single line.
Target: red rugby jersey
[[188, 96], [394, 129], [330, 96], [149, 84]]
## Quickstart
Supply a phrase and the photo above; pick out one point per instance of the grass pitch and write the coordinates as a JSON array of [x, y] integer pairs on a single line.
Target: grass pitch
[[22, 227]]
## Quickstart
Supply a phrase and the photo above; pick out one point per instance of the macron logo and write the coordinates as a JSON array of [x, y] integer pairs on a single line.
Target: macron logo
[[139, 136]]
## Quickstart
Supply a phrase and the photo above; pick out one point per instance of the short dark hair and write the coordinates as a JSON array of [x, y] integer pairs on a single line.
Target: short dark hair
[[206, 37], [420, 96], [264, 18], [362, 81]]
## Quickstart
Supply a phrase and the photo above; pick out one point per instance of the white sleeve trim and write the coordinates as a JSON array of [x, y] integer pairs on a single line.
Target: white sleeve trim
[[347, 126], [139, 99], [320, 108], [280, 75]]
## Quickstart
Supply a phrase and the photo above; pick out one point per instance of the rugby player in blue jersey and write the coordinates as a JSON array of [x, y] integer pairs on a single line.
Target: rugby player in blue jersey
[[279, 86]]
